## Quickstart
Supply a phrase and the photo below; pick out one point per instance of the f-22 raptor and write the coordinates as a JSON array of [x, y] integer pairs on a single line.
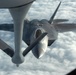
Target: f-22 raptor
[[37, 34]]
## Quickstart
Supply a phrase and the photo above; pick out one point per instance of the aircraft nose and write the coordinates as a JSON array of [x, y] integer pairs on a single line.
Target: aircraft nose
[[38, 51], [39, 54]]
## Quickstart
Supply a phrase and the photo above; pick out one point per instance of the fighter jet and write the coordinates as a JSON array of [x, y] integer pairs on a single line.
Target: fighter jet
[[37, 34]]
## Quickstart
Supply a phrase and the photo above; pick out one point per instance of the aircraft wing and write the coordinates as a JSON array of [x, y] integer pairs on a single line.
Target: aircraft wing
[[7, 27], [6, 48], [64, 27]]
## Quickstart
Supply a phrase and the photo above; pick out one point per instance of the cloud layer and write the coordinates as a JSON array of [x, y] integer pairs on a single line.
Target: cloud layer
[[59, 59]]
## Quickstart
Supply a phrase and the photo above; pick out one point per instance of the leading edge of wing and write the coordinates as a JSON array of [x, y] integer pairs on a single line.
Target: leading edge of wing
[[6, 48]]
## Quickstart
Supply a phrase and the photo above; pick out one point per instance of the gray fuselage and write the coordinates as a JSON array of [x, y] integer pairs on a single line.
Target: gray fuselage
[[32, 30]]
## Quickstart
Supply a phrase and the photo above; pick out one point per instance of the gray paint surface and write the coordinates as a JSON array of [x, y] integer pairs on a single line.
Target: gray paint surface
[[13, 3]]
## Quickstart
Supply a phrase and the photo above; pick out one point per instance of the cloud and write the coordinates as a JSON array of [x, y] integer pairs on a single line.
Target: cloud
[[59, 59]]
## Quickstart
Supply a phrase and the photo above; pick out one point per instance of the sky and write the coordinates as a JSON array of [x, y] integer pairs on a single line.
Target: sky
[[60, 57]]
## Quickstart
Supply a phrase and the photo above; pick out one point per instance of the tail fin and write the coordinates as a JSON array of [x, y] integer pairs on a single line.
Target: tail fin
[[51, 19], [6, 48]]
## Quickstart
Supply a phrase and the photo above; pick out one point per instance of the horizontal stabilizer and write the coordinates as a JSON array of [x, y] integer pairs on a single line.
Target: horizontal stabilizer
[[55, 21], [65, 27], [34, 44], [6, 48]]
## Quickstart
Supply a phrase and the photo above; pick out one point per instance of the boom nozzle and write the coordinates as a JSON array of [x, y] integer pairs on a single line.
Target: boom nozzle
[[17, 65]]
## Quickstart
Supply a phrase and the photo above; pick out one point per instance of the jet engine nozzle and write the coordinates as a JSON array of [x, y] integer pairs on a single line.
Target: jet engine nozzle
[[18, 59], [41, 47]]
